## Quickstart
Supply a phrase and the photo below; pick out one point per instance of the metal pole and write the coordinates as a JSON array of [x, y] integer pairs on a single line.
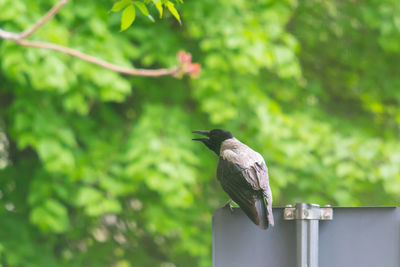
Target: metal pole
[[307, 235], [307, 218]]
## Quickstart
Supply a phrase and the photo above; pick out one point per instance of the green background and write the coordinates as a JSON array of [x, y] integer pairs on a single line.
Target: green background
[[98, 169]]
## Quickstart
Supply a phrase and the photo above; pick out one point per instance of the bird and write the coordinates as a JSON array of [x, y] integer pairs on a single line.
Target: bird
[[243, 175]]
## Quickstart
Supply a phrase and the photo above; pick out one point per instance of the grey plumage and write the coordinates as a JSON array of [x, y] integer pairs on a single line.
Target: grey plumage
[[243, 175]]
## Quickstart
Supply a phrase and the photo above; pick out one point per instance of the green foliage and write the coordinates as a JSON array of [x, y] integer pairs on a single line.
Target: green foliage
[[129, 13], [99, 168], [51, 216], [172, 9], [128, 17]]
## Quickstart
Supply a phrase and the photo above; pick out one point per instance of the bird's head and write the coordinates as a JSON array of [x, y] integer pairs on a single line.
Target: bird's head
[[215, 138]]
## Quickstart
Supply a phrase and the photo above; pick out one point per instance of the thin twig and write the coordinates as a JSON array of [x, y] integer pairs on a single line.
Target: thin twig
[[19, 38], [44, 19], [100, 62]]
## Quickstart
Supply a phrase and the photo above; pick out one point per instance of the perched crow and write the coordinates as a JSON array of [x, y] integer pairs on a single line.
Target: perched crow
[[243, 175]]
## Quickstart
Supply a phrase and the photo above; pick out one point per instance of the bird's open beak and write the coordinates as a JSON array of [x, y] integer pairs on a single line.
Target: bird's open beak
[[206, 133]]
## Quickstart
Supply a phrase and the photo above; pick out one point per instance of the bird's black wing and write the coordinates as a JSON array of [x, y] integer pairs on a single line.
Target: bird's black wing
[[259, 174], [242, 185]]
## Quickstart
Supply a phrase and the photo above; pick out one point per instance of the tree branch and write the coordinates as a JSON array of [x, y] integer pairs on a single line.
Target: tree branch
[[184, 66], [100, 62], [35, 27], [45, 18]]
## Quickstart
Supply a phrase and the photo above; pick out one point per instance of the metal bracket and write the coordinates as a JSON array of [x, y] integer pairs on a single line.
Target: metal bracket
[[307, 218], [314, 212]]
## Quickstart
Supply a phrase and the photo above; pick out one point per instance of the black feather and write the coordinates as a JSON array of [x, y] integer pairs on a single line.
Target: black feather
[[237, 183]]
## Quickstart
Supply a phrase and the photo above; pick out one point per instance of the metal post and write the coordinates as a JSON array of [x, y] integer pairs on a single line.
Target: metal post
[[307, 218], [307, 236]]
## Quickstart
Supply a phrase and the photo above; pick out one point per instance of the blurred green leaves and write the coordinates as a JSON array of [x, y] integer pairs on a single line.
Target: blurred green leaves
[[101, 169], [52, 216]]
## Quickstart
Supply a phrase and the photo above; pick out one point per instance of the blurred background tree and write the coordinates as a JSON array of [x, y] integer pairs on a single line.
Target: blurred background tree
[[98, 169]]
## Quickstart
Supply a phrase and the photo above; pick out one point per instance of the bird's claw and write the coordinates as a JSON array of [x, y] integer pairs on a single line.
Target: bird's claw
[[229, 205]]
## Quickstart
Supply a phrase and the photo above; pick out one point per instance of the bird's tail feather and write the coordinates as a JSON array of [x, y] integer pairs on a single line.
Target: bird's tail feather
[[268, 207], [261, 213]]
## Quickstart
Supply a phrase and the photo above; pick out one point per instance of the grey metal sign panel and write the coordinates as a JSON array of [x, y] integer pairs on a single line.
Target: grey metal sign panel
[[365, 237]]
